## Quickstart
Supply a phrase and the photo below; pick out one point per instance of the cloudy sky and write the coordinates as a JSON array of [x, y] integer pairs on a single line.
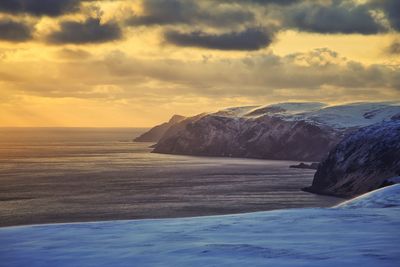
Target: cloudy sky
[[135, 63]]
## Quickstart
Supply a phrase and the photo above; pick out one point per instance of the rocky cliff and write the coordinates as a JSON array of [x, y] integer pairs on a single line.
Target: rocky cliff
[[155, 133], [263, 137], [362, 162]]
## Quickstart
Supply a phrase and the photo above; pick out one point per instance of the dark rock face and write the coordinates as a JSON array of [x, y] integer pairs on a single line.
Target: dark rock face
[[262, 137], [155, 133], [396, 117], [362, 162]]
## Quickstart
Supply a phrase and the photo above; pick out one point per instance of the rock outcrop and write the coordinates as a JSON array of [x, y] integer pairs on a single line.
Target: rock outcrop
[[302, 165], [155, 133], [360, 163]]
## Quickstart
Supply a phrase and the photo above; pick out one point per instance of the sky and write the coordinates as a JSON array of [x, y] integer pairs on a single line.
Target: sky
[[135, 63]]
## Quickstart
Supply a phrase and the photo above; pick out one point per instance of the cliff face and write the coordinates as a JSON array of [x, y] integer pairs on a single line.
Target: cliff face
[[362, 162], [262, 137], [155, 133]]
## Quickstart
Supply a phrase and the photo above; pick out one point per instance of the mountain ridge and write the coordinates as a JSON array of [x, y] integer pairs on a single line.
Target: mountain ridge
[[304, 131]]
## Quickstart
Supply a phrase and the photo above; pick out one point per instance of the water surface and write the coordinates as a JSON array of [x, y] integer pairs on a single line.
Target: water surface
[[87, 174]]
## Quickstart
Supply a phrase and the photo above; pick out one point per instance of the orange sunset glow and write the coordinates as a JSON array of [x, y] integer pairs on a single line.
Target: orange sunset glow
[[136, 63]]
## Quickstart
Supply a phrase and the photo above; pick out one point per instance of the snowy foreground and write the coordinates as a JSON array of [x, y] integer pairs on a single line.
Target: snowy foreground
[[362, 232]]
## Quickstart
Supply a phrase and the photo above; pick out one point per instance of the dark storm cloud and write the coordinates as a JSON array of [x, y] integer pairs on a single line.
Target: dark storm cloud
[[39, 7], [14, 31], [327, 17], [167, 12], [267, 2], [89, 31], [391, 9], [338, 17], [249, 39]]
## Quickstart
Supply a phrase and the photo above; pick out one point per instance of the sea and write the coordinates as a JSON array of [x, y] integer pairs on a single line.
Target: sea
[[53, 175]]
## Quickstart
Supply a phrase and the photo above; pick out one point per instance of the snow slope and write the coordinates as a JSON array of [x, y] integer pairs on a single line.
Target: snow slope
[[385, 197], [339, 116], [361, 232], [286, 109], [353, 115]]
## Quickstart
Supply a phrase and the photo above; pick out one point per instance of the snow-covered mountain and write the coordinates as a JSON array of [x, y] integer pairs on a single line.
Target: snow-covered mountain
[[290, 131], [362, 162], [363, 231]]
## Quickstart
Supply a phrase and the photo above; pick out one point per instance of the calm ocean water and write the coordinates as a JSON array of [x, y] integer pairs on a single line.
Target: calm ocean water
[[87, 174]]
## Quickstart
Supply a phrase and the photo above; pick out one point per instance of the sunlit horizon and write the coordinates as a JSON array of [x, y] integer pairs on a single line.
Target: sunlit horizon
[[133, 63]]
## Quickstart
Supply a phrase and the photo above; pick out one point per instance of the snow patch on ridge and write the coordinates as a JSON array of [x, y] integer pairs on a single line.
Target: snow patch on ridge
[[285, 109], [338, 116], [234, 111], [353, 115]]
